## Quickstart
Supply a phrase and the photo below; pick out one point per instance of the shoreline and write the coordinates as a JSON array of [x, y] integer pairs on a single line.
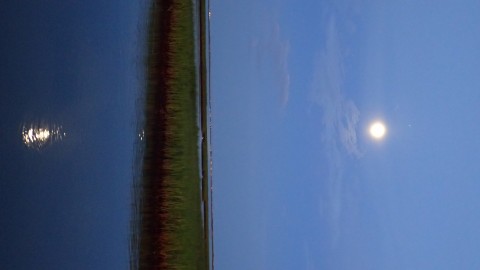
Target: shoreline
[[172, 230]]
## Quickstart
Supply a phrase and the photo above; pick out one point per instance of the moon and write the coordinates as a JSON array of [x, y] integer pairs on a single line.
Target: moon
[[378, 130]]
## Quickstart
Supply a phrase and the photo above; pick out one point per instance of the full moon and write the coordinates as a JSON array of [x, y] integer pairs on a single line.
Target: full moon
[[378, 130]]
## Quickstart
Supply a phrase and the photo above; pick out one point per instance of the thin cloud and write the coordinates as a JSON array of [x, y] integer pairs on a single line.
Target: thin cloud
[[309, 257], [340, 117], [271, 52]]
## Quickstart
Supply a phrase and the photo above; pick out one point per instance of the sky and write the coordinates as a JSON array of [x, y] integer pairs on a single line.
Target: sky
[[75, 65], [298, 181]]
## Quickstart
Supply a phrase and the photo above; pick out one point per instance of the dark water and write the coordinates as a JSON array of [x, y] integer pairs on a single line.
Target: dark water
[[70, 82]]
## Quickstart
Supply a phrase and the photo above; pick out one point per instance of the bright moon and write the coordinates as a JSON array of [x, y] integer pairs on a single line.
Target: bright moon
[[378, 130]]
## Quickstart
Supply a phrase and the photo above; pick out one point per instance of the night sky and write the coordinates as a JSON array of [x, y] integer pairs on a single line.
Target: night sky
[[298, 181]]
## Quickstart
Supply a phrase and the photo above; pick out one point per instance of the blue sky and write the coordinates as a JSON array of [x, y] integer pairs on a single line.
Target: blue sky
[[298, 182]]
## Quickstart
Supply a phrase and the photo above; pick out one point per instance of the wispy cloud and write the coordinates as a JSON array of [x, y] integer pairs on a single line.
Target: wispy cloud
[[309, 257], [340, 117], [271, 52]]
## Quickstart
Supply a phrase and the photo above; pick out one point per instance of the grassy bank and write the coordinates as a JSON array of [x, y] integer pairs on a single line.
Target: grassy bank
[[170, 224]]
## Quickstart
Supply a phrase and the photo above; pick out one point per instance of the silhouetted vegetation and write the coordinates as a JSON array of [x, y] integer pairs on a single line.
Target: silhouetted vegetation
[[168, 229]]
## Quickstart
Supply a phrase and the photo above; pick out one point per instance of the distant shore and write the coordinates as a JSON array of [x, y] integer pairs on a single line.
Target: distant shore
[[173, 230]]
